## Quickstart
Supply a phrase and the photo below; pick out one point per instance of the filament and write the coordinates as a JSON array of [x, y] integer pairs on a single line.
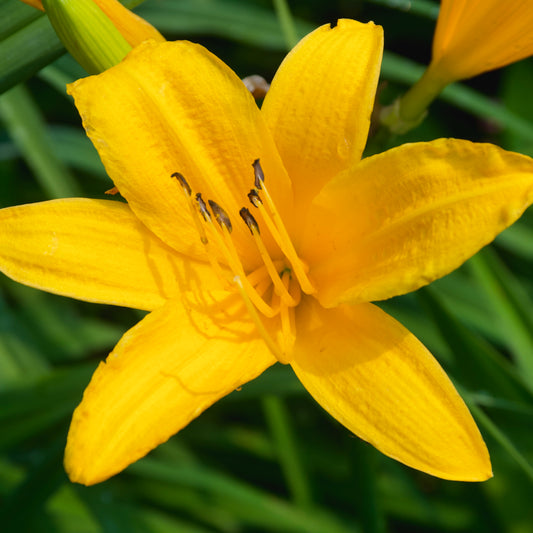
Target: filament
[[225, 244], [279, 232]]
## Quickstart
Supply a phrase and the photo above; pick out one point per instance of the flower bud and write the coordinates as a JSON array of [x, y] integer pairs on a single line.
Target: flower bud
[[132, 27], [87, 33], [474, 37]]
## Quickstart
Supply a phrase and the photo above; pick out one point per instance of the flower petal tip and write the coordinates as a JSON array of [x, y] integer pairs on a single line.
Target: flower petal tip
[[79, 470]]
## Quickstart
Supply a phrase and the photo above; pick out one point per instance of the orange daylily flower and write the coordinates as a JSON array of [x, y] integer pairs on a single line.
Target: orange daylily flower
[[471, 37], [132, 27], [245, 266], [474, 36]]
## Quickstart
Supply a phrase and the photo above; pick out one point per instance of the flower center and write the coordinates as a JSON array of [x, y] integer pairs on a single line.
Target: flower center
[[271, 291]]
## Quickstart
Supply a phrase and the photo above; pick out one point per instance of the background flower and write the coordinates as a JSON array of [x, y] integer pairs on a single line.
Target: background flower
[[473, 36]]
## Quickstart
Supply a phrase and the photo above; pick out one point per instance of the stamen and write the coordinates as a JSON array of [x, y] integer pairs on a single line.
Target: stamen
[[227, 247], [281, 290], [258, 174], [220, 215], [272, 346], [294, 288], [261, 273], [194, 213], [254, 197], [277, 228], [288, 328], [299, 267], [249, 220], [262, 287], [200, 227], [252, 287], [202, 207], [183, 182]]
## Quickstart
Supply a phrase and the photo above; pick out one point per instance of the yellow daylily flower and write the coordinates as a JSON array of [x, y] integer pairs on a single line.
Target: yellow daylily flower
[[474, 36], [256, 236]]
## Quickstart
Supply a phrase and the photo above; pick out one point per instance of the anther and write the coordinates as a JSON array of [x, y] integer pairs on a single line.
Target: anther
[[250, 221], [220, 216], [203, 208], [254, 198], [183, 182], [276, 227], [258, 173]]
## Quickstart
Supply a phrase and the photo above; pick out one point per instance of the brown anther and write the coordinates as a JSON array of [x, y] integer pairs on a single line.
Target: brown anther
[[249, 219], [220, 216], [258, 173], [254, 198], [202, 207], [183, 182]]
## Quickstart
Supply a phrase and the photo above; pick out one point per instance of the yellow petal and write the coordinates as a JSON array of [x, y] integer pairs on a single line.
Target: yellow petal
[[174, 107], [94, 250], [162, 374], [318, 107], [473, 36], [404, 218], [377, 379]]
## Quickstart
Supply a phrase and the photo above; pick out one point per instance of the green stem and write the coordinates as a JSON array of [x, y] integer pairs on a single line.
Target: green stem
[[279, 424], [27, 129], [286, 22], [401, 70], [409, 110]]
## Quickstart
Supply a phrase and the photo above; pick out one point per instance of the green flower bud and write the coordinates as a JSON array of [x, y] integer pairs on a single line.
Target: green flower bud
[[87, 33]]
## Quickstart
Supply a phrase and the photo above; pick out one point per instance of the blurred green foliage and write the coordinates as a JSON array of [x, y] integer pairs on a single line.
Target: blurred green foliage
[[266, 458]]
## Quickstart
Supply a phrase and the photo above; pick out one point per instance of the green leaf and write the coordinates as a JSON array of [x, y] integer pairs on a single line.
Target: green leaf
[[14, 16], [27, 51], [475, 362], [38, 405], [27, 128], [29, 43], [32, 494], [511, 308], [252, 506]]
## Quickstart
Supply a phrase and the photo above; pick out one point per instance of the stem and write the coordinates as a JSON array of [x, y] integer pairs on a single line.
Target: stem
[[401, 70], [410, 109]]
